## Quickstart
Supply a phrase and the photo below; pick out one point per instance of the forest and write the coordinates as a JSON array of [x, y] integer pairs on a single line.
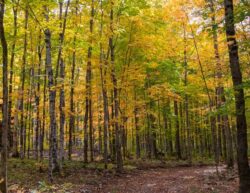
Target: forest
[[125, 96]]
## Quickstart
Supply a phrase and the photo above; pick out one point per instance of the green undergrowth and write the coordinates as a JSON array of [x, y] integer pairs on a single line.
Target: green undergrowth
[[30, 173], [166, 163]]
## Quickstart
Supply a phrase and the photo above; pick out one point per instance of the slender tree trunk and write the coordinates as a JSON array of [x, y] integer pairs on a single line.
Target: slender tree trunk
[[159, 126], [22, 129], [177, 135], [91, 28], [170, 133], [119, 160], [62, 113], [72, 93], [153, 137], [106, 118], [100, 135], [88, 101], [105, 109], [242, 148], [137, 129], [104, 93], [37, 99], [72, 109], [60, 64], [183, 131], [43, 116], [4, 128], [15, 133], [53, 163], [148, 137], [91, 132], [25, 128], [12, 58], [28, 117], [112, 131], [85, 148], [165, 121], [188, 129]]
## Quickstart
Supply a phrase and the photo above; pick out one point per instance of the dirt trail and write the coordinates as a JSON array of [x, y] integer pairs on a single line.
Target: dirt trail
[[172, 180]]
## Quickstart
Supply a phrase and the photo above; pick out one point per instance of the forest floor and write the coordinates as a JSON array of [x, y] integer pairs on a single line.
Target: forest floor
[[156, 177]]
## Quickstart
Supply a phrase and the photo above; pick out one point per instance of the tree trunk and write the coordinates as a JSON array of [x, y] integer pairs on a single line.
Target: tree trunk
[[137, 129], [72, 110], [100, 137], [170, 134], [91, 28], [242, 148], [28, 117], [189, 150], [104, 92], [44, 112], [119, 160], [60, 64], [53, 163], [22, 129], [62, 113], [12, 58], [177, 135], [37, 99], [4, 128], [85, 129], [105, 104], [88, 106], [72, 93]]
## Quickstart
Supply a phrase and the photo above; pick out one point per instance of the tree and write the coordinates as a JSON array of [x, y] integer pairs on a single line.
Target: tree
[[242, 158], [12, 58], [88, 120], [60, 63], [119, 160], [24, 59], [4, 127], [53, 163], [103, 72]]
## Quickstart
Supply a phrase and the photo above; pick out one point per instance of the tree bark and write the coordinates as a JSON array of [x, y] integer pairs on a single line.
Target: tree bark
[[12, 131], [119, 160], [104, 92], [62, 113], [72, 110], [44, 112], [187, 125], [137, 129], [72, 93], [242, 148], [88, 101], [53, 163], [22, 129], [4, 128], [177, 135], [60, 63], [37, 99]]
